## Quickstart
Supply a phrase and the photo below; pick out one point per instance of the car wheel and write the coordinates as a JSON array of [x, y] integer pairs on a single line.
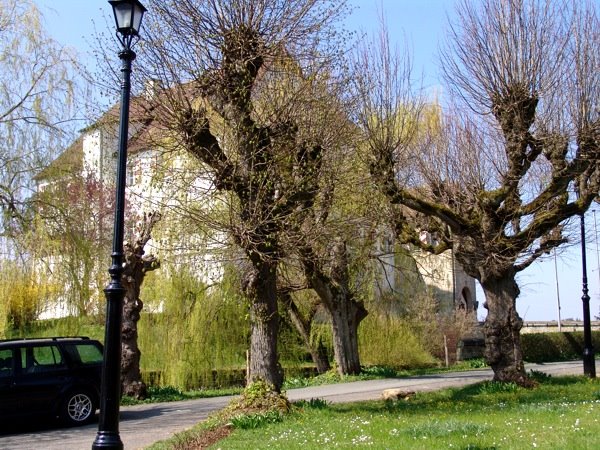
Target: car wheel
[[78, 407]]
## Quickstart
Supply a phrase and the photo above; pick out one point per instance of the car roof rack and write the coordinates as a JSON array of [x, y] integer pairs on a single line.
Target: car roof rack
[[45, 338]]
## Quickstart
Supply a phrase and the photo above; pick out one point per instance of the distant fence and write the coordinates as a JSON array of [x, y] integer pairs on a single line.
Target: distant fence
[[552, 326]]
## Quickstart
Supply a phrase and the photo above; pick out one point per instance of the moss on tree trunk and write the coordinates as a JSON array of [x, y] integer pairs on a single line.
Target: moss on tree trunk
[[261, 289], [346, 316], [502, 330]]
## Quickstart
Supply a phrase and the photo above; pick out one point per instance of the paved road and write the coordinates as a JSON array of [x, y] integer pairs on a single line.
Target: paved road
[[143, 425]]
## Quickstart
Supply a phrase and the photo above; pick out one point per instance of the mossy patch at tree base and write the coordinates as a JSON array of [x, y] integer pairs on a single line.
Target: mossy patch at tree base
[[258, 397]]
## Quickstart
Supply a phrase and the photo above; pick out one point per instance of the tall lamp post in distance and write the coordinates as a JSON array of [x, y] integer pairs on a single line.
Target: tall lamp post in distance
[[128, 18], [589, 364]]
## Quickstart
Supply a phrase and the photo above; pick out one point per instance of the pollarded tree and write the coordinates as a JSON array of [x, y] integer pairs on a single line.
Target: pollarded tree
[[500, 177], [219, 61], [333, 244], [330, 277], [325, 256], [327, 242]]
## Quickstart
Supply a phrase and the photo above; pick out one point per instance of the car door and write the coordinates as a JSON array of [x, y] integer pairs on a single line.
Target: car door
[[9, 401], [86, 362], [44, 374]]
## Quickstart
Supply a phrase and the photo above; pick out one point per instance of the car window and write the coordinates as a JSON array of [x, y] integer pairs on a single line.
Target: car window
[[41, 358], [6, 363], [89, 353]]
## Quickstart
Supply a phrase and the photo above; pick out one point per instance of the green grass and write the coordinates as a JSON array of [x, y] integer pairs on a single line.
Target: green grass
[[561, 413]]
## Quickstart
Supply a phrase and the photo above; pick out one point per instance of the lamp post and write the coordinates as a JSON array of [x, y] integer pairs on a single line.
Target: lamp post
[[128, 17], [589, 364]]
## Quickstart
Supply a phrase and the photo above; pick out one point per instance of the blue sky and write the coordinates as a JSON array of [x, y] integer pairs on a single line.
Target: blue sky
[[422, 23]]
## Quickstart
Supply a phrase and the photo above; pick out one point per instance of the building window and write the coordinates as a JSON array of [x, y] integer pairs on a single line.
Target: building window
[[134, 172]]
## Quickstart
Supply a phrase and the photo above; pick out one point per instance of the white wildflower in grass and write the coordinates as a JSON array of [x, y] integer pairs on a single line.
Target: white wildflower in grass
[[363, 439]]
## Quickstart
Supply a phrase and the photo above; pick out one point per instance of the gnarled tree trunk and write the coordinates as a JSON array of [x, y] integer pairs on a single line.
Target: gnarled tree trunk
[[131, 377], [136, 266], [501, 329], [238, 103]]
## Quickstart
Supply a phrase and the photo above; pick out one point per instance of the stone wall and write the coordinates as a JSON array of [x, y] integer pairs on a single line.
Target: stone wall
[[552, 326]]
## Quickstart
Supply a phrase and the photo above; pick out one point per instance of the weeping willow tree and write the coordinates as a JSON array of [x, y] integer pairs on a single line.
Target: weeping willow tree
[[67, 237], [37, 118], [205, 329], [36, 104], [23, 295]]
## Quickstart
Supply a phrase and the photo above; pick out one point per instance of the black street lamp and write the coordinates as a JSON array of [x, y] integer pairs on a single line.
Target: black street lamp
[[589, 364], [128, 17]]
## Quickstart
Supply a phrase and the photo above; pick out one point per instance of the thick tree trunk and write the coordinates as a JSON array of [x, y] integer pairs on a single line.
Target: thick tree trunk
[[135, 268], [303, 326], [346, 315], [131, 377], [501, 329], [336, 297], [261, 288]]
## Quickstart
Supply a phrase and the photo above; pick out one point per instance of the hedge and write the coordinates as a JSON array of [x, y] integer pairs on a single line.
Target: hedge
[[548, 347]]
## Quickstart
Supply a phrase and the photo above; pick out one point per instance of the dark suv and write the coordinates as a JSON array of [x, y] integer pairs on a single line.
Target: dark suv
[[56, 377]]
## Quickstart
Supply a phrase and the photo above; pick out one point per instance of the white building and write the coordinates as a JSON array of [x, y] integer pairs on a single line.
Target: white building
[[158, 180]]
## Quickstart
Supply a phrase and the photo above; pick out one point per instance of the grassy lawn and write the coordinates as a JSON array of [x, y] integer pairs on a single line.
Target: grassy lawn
[[561, 413]]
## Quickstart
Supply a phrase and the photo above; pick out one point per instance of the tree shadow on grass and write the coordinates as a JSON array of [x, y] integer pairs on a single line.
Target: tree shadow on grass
[[485, 396]]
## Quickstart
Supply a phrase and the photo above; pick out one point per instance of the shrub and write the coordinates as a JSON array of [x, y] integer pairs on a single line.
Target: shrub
[[313, 403], [379, 371], [258, 404], [476, 363], [391, 342], [538, 376], [22, 296], [547, 347]]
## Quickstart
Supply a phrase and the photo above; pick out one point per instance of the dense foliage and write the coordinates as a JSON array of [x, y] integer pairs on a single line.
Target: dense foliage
[[547, 347]]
